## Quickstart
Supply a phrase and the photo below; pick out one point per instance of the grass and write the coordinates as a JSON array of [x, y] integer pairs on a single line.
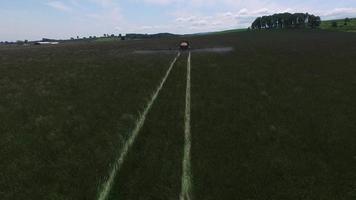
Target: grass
[[107, 39], [274, 119], [349, 27], [130, 141], [153, 166], [232, 31], [223, 32], [65, 113]]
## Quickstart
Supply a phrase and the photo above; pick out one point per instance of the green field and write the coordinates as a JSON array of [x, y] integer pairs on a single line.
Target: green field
[[229, 31], [349, 27], [272, 119], [107, 39]]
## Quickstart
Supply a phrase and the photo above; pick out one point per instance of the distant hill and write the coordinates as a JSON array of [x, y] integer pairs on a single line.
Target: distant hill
[[219, 32], [349, 27], [145, 36], [232, 31]]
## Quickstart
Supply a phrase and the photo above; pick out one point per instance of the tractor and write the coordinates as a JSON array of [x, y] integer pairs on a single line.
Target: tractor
[[184, 45]]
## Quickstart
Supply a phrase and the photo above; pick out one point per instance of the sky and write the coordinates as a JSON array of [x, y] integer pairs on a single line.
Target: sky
[[62, 19]]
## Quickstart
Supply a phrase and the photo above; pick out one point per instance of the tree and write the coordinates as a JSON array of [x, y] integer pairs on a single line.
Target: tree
[[314, 21], [317, 21], [334, 24], [347, 20], [286, 20], [269, 22], [257, 23], [279, 20], [264, 21], [19, 42], [300, 19]]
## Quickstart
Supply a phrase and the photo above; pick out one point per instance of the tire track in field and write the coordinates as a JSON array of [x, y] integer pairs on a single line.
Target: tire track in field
[[187, 175], [103, 195]]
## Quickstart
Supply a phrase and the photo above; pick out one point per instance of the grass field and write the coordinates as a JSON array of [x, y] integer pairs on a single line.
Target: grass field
[[228, 31], [273, 119], [65, 113], [107, 39], [349, 27]]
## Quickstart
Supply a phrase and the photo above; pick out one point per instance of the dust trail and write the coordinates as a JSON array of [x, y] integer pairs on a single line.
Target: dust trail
[[105, 190], [187, 176]]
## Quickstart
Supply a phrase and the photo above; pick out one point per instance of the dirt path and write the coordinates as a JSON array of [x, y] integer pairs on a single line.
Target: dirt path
[[153, 166], [186, 176], [103, 195]]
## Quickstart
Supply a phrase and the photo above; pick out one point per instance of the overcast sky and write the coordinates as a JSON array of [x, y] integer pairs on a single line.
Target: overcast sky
[[35, 19]]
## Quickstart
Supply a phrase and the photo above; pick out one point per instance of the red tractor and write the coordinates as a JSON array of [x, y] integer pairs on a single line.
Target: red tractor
[[184, 45]]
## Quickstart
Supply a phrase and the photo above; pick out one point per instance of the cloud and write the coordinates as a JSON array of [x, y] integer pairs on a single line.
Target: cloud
[[59, 6], [338, 13], [243, 11], [200, 23], [262, 11], [93, 17], [186, 19], [187, 16], [108, 16], [160, 2], [105, 3], [193, 3], [204, 23]]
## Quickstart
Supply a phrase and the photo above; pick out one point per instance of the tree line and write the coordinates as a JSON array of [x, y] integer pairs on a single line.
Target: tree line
[[286, 20], [335, 24]]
